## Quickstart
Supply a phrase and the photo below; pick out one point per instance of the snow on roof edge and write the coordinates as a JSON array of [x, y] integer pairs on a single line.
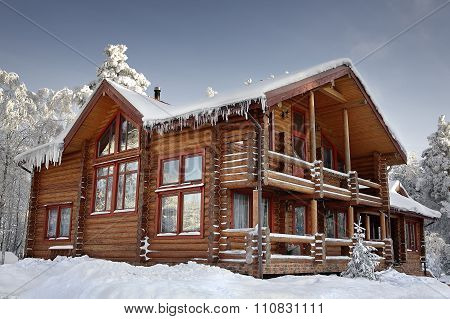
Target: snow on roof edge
[[408, 204]]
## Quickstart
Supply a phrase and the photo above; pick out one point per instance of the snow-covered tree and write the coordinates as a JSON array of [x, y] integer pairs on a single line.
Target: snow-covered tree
[[409, 175], [437, 250], [436, 167], [117, 69], [363, 262]]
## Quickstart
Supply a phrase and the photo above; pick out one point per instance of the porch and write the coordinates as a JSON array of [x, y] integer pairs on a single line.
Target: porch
[[291, 254]]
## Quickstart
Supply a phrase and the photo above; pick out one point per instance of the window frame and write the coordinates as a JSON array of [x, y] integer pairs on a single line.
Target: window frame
[[117, 151], [115, 164], [48, 208], [180, 188], [336, 224]]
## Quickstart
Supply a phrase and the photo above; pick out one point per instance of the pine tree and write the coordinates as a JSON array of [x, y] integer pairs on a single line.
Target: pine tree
[[409, 175], [363, 262], [437, 251]]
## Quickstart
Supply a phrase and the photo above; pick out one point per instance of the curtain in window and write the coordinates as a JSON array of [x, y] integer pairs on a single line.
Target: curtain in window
[[191, 212], [241, 211], [52, 221], [169, 211], [299, 213]]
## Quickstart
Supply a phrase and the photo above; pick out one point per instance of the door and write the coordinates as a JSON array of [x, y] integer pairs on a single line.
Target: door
[[395, 239], [299, 139]]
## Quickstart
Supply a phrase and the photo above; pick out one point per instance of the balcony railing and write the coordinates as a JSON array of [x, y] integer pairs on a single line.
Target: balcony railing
[[239, 169], [239, 246]]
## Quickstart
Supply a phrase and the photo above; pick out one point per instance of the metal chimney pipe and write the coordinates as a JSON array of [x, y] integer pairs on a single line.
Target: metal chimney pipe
[[157, 93]]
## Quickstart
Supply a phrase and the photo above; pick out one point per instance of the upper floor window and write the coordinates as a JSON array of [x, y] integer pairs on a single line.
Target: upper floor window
[[181, 195], [58, 222], [299, 134], [121, 135]]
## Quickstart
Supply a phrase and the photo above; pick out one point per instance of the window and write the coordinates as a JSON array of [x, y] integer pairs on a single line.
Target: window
[[266, 208], [129, 136], [328, 156], [336, 224], [411, 236], [375, 230], [123, 188], [181, 194], [299, 135], [121, 131], [58, 222], [299, 220], [241, 210], [126, 186], [107, 141]]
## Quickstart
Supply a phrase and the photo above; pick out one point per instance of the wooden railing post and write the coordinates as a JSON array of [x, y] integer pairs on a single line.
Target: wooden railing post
[[320, 249], [354, 187], [318, 178]]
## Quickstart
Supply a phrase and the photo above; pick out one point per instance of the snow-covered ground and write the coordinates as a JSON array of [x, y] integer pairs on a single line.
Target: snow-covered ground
[[86, 277], [10, 258]]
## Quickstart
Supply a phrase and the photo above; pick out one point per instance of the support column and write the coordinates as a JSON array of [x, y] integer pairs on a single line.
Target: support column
[[348, 163], [312, 127], [313, 215], [350, 221], [383, 225], [367, 226]]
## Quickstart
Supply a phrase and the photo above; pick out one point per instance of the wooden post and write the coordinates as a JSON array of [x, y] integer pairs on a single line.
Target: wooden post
[[382, 225], [367, 226], [348, 163], [255, 208], [312, 126], [313, 214], [350, 221]]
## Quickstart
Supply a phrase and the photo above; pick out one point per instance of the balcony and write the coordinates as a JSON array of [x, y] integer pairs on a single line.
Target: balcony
[[291, 174]]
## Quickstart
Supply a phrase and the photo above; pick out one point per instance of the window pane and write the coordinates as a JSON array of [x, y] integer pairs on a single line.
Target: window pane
[[299, 122], [102, 171], [330, 225], [191, 212], [327, 157], [341, 225], [106, 142], [133, 136], [132, 166], [265, 207], [169, 208], [52, 221], [100, 195], [130, 190], [300, 220], [193, 168], [64, 229], [241, 210], [299, 148], [129, 137], [171, 171], [119, 200], [109, 193]]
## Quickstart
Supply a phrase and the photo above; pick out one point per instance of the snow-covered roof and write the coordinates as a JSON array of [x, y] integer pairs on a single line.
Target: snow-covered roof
[[406, 203], [162, 117]]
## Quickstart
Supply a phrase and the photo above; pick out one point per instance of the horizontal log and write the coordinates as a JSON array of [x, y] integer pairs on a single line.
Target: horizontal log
[[292, 239]]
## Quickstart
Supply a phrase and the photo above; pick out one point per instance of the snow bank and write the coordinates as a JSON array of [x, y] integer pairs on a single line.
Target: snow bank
[[406, 203], [84, 277], [10, 258]]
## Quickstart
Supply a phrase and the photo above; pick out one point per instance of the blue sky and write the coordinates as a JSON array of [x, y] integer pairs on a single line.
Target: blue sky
[[185, 46]]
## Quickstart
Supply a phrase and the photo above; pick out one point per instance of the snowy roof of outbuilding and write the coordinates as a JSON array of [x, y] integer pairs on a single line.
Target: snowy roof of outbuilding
[[161, 116], [403, 202]]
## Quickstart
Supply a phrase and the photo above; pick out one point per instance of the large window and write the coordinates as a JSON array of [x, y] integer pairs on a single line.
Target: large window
[[411, 236], [180, 195], [58, 222], [121, 135], [116, 187], [335, 224]]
